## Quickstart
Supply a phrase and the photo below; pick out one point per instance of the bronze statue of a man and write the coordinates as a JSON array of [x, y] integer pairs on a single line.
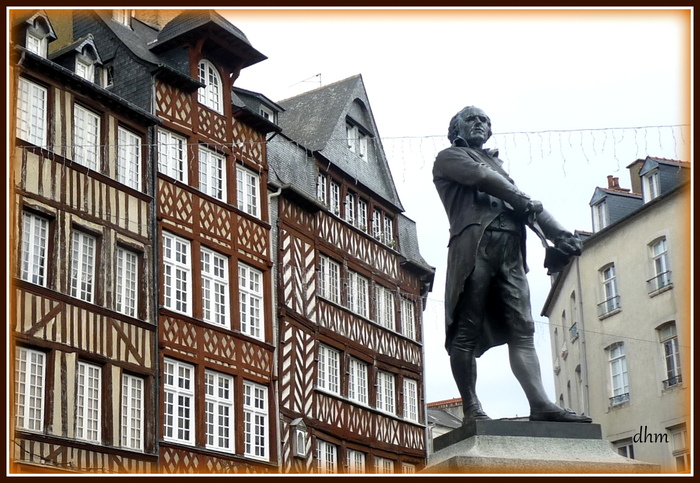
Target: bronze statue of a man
[[487, 298]]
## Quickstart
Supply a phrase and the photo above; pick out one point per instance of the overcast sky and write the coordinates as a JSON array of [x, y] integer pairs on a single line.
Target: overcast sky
[[559, 87]]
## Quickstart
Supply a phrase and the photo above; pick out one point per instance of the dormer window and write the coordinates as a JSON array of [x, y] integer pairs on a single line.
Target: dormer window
[[650, 185], [36, 44], [38, 33], [600, 215], [122, 16], [357, 140], [267, 114], [211, 94], [84, 69]]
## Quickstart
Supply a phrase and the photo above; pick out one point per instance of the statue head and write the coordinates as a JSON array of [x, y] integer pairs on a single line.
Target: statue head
[[472, 125]]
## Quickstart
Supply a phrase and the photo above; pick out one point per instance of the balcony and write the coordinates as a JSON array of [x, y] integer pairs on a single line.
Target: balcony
[[659, 282], [619, 399], [609, 306], [673, 381]]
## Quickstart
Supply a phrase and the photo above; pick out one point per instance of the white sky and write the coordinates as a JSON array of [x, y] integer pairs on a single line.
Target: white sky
[[533, 72]]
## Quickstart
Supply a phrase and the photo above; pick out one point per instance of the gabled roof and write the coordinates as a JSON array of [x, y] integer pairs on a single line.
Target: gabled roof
[[29, 17], [600, 193], [650, 163], [317, 121], [77, 48]]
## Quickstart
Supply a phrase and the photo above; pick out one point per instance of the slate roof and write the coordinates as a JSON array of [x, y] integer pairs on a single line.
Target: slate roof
[[440, 417], [77, 47]]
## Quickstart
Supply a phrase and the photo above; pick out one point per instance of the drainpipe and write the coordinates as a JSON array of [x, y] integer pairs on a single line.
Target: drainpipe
[[584, 365]]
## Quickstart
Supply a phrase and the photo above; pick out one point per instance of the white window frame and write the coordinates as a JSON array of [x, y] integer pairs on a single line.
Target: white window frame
[[362, 215], [377, 224], [362, 146], [408, 468], [215, 288], [328, 369], [357, 461], [129, 158], [132, 412], [329, 279], [610, 291], [358, 381], [177, 274], [383, 465], [179, 401], [107, 76], [680, 447], [32, 102], [660, 265], [122, 16], [408, 318], [619, 379], [212, 173], [385, 313], [211, 95], [83, 259], [84, 68], [410, 399], [335, 198], [35, 233], [327, 457], [88, 402], [600, 215], [219, 410], [350, 208], [30, 386], [358, 294], [251, 308], [255, 421], [650, 185], [36, 43], [321, 188], [126, 282], [388, 230], [668, 336], [86, 137], [386, 392], [248, 192], [172, 155], [351, 135]]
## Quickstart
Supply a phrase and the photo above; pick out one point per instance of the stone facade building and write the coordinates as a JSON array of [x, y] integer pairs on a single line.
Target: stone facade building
[[620, 316]]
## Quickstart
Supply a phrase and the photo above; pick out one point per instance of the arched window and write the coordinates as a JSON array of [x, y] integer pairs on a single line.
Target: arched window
[[211, 94]]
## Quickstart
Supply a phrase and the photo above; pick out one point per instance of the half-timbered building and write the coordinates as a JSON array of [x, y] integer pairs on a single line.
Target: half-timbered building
[[82, 322], [351, 284]]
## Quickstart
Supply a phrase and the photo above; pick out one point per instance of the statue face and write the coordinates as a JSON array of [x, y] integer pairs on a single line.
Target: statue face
[[475, 127]]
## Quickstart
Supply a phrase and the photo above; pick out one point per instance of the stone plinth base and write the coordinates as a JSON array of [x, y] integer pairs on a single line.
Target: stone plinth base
[[503, 446]]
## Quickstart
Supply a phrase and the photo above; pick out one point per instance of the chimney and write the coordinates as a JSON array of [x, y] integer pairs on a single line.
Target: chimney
[[635, 179], [157, 18], [614, 184]]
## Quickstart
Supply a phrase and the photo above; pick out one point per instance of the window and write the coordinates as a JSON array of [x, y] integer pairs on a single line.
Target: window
[[335, 198], [362, 145], [408, 468], [176, 274], [179, 401], [408, 320], [172, 160], [377, 224], [36, 42], [388, 230], [215, 288], [357, 381], [267, 114], [625, 447], [321, 187], [385, 314], [327, 457], [573, 308], [356, 461], [662, 274], [129, 159], [618, 374], [362, 215], [383, 465], [255, 420], [650, 185], [88, 404], [351, 135], [34, 247], [669, 342], [212, 173], [251, 301], [248, 198], [600, 215], [211, 94], [358, 300], [31, 112], [122, 16], [132, 412], [385, 392], [86, 137], [611, 300], [107, 73], [350, 208], [329, 275], [328, 369], [679, 447], [126, 293], [410, 400], [82, 280], [85, 69], [218, 394], [29, 389], [357, 140]]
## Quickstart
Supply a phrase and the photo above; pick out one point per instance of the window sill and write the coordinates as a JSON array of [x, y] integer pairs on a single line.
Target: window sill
[[609, 314], [661, 290]]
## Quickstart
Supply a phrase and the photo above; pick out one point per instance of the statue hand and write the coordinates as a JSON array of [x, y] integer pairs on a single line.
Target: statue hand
[[532, 208], [570, 244]]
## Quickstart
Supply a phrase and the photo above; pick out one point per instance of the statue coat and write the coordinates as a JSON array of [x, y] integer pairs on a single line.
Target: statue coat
[[474, 192]]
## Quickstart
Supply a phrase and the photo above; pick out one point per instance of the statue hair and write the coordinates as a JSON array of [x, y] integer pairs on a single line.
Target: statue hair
[[453, 130]]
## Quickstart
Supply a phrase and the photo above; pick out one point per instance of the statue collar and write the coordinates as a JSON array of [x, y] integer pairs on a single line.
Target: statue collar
[[460, 142]]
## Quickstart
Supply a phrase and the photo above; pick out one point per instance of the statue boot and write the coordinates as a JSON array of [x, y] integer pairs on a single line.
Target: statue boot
[[526, 367], [463, 364]]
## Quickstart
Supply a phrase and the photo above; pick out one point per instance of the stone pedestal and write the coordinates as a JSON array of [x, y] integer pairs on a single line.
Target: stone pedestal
[[504, 446]]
